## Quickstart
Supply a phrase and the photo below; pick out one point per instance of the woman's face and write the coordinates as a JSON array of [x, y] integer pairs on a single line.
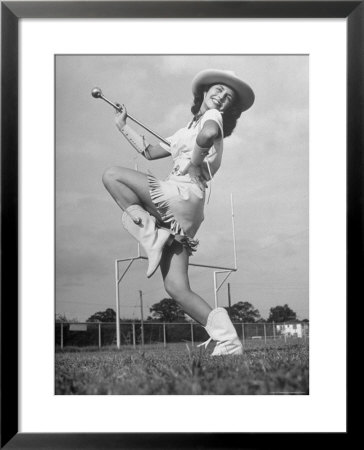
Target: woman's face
[[218, 96]]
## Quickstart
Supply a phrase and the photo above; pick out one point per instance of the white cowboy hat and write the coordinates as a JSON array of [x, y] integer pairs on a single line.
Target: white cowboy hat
[[211, 76]]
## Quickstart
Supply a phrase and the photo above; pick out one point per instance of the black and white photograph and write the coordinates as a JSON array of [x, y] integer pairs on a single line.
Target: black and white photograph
[[181, 224], [181, 206]]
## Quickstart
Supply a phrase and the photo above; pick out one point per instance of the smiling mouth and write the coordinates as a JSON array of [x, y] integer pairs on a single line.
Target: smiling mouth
[[216, 102]]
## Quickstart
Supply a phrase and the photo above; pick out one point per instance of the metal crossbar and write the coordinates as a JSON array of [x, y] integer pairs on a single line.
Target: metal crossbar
[[202, 265]]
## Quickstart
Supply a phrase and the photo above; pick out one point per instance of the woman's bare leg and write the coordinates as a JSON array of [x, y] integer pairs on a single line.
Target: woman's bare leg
[[129, 187], [174, 267]]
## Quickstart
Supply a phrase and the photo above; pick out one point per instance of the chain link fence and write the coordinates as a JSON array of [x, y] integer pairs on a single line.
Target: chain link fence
[[103, 334]]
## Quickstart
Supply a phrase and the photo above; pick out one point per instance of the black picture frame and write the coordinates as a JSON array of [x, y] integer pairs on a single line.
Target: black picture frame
[[11, 13]]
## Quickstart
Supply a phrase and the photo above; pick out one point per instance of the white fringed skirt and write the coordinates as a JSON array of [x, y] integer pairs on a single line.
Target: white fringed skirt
[[180, 202]]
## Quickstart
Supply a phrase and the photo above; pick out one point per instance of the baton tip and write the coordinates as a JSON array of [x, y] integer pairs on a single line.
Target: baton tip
[[96, 92]]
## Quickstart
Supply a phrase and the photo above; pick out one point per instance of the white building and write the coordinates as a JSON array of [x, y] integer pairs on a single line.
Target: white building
[[290, 329]]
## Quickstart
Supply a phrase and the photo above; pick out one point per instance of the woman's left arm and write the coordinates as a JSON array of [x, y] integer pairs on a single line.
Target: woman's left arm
[[211, 165], [204, 141]]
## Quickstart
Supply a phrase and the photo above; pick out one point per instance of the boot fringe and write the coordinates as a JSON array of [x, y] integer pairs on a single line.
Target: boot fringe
[[205, 344], [145, 231], [132, 213]]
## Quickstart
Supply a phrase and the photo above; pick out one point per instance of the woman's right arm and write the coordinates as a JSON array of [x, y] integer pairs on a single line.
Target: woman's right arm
[[155, 152], [149, 151]]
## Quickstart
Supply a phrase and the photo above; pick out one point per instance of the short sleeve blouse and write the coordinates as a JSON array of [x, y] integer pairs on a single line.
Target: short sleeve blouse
[[184, 140]]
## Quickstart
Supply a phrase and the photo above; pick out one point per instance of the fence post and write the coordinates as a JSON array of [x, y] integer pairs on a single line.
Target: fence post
[[192, 340], [61, 335], [99, 334], [265, 334], [141, 317], [164, 335], [274, 331], [242, 333], [134, 340]]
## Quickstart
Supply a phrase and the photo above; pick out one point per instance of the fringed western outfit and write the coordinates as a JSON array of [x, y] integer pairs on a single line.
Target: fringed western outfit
[[180, 198]]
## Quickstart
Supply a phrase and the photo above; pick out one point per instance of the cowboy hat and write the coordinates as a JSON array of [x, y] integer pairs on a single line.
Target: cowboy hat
[[212, 76]]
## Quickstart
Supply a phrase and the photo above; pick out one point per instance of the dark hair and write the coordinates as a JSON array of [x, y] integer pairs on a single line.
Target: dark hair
[[230, 116]]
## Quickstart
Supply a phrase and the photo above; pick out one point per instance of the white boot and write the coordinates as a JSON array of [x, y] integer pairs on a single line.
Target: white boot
[[221, 329], [142, 226]]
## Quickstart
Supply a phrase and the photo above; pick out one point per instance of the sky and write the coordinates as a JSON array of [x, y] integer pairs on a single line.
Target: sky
[[265, 167]]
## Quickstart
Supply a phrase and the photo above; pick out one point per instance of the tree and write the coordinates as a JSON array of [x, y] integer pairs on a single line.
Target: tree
[[63, 318], [282, 314], [167, 310], [243, 312], [109, 315]]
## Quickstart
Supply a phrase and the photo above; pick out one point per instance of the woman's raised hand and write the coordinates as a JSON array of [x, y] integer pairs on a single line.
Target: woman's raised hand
[[120, 117]]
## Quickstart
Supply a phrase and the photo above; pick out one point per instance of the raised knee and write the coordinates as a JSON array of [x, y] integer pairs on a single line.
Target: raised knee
[[108, 176], [111, 175]]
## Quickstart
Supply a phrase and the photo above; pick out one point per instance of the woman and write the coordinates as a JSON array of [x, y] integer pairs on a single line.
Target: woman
[[164, 216]]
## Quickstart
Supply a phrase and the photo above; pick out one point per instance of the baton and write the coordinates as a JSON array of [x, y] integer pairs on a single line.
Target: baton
[[97, 93]]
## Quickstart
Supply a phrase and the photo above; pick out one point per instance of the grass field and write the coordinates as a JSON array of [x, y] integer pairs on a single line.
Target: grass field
[[278, 368]]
